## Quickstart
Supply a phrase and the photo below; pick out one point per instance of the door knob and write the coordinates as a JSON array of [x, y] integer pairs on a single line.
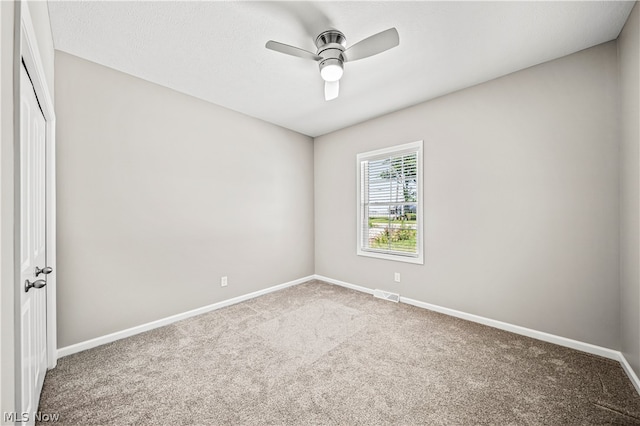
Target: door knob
[[46, 270], [36, 284]]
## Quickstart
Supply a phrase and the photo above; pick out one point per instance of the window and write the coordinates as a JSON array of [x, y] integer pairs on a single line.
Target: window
[[390, 203]]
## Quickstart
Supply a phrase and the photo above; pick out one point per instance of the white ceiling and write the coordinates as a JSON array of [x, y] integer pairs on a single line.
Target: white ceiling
[[215, 50]]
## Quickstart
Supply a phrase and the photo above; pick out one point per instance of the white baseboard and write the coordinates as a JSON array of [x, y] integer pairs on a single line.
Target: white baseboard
[[88, 344], [540, 335], [630, 373], [343, 284], [551, 338]]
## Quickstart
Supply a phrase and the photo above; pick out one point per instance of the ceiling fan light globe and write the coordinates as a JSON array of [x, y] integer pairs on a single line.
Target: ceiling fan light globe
[[331, 71]]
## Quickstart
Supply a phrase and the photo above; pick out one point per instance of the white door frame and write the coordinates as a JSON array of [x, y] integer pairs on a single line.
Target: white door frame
[[30, 54]]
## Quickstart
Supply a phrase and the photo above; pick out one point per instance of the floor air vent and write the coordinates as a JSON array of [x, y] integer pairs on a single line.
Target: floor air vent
[[381, 294]]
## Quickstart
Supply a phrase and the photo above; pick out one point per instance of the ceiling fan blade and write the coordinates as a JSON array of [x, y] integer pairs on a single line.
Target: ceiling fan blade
[[331, 90], [291, 50], [373, 45]]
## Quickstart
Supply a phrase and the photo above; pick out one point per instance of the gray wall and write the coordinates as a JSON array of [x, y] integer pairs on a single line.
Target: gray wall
[[629, 60], [160, 194], [521, 199]]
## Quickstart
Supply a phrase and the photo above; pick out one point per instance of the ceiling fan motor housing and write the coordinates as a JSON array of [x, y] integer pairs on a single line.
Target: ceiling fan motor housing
[[331, 44]]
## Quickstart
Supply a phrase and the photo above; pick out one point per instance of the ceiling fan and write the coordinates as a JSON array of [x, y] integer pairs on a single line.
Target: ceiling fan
[[333, 53]]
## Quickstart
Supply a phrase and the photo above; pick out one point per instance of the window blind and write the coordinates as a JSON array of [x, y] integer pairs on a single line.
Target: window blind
[[389, 203]]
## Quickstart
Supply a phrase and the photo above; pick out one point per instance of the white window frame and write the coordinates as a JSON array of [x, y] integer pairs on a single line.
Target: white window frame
[[382, 153]]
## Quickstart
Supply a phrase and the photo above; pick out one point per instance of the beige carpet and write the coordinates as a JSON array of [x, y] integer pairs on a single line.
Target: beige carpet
[[321, 354]]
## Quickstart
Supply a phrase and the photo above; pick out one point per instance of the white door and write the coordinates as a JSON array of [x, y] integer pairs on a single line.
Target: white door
[[33, 321]]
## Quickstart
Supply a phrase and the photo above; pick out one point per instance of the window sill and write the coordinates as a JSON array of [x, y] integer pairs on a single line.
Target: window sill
[[393, 257]]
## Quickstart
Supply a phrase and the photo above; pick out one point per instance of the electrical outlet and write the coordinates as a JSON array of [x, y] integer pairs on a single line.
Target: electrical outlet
[[396, 277], [223, 282]]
